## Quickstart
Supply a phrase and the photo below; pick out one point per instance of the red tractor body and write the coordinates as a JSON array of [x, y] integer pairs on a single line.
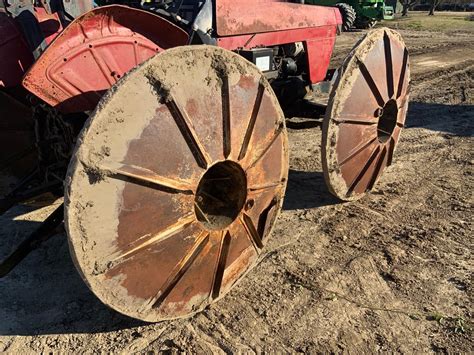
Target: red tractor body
[[99, 47]]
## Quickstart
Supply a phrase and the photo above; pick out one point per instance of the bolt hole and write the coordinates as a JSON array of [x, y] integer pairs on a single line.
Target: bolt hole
[[249, 205]]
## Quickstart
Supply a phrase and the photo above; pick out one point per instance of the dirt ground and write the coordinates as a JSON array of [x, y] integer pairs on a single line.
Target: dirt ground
[[391, 272]]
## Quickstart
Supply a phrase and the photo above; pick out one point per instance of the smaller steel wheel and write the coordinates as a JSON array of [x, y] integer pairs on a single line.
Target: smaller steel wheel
[[366, 113], [176, 183]]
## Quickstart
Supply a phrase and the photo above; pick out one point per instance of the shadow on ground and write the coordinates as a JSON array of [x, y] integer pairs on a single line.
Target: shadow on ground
[[452, 119], [307, 190], [44, 294]]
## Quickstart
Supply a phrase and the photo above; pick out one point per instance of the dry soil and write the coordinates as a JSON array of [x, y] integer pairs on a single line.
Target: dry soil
[[391, 272]]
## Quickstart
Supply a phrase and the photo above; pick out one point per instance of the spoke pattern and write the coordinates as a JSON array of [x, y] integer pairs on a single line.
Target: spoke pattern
[[361, 148], [378, 169], [370, 122], [251, 232], [253, 119], [187, 130], [361, 174], [401, 81], [226, 116], [388, 65], [371, 83], [266, 186], [141, 175], [179, 271], [221, 264], [267, 148], [391, 149], [160, 236]]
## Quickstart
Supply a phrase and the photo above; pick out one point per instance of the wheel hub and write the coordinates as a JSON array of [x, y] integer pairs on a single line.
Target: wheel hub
[[221, 195]]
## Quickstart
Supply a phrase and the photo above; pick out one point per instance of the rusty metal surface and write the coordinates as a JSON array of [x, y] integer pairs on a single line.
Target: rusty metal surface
[[176, 183], [366, 113], [95, 51]]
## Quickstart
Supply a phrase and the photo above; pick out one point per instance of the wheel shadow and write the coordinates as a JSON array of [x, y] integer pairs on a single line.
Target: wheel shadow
[[451, 119], [307, 190], [44, 294]]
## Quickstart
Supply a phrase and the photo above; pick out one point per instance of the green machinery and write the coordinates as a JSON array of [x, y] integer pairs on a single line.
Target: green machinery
[[358, 13]]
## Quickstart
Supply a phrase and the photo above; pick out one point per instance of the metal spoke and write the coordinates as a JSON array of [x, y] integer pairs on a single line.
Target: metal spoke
[[251, 231], [142, 175], [371, 83], [253, 119], [266, 186], [388, 65], [226, 116], [361, 174], [378, 168], [391, 149], [158, 237], [267, 148], [402, 73], [189, 134], [359, 149], [221, 264], [179, 271]]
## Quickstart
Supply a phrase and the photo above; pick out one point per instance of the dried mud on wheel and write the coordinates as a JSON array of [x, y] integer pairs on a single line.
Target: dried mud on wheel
[[366, 113], [176, 183]]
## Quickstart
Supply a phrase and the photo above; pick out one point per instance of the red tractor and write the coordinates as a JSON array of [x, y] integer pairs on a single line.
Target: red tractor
[[162, 121]]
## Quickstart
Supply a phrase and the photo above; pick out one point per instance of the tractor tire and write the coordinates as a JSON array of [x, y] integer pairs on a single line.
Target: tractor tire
[[348, 16], [365, 24]]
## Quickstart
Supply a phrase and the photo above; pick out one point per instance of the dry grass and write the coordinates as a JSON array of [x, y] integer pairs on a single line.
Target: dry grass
[[441, 22]]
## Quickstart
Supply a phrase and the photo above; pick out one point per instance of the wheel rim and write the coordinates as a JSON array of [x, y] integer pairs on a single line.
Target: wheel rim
[[366, 113], [170, 200]]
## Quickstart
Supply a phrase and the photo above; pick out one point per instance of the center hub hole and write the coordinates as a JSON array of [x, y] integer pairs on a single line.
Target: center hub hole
[[221, 195], [387, 121]]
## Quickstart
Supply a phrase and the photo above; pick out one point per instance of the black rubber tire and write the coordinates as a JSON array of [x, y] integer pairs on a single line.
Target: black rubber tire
[[365, 23], [348, 15]]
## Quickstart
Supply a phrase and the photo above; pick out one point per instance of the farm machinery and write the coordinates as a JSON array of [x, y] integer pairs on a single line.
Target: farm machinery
[[359, 13], [161, 122]]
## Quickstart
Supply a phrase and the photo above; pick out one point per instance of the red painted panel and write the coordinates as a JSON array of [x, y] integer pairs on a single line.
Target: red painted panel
[[319, 43], [94, 51], [257, 16], [15, 57]]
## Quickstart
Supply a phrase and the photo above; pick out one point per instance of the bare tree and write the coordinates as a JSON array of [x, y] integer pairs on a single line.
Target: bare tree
[[406, 4], [434, 4]]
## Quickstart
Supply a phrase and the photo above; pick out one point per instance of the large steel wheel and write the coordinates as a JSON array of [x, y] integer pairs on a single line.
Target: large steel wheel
[[366, 113], [176, 182]]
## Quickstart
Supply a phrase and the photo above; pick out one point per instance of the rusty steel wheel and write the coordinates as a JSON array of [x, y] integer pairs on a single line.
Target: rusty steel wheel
[[176, 183], [366, 113]]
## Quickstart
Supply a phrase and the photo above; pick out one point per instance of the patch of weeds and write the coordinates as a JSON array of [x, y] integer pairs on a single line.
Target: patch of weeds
[[460, 325], [457, 325], [437, 317]]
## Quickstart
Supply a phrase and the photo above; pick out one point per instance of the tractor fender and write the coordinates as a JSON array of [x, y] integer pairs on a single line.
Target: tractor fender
[[95, 51]]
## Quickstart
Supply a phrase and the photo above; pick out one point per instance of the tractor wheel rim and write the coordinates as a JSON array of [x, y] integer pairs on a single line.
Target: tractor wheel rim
[[366, 113], [170, 200]]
